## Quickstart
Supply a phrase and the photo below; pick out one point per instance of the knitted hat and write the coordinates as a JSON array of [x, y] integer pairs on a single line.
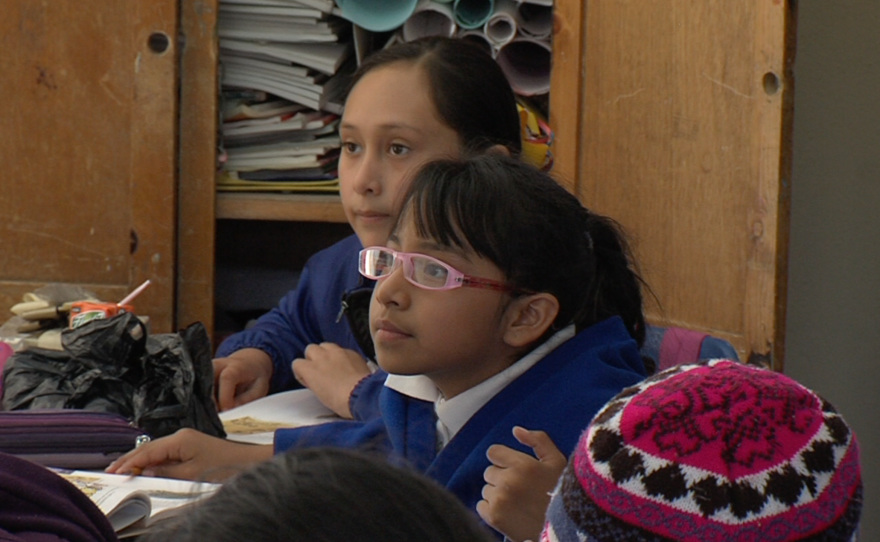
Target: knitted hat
[[711, 451]]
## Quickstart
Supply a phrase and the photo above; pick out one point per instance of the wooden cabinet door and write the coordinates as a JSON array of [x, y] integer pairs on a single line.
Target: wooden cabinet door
[[674, 117], [88, 127]]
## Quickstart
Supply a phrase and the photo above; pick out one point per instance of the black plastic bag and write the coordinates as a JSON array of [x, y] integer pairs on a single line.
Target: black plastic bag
[[177, 384], [160, 382]]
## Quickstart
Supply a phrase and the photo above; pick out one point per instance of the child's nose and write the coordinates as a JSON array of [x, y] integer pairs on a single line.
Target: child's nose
[[391, 289], [368, 176]]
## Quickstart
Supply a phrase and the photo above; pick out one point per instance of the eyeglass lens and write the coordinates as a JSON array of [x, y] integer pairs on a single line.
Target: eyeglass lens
[[423, 270]]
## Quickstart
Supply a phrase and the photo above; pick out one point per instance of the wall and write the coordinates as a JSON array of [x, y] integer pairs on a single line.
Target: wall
[[833, 326]]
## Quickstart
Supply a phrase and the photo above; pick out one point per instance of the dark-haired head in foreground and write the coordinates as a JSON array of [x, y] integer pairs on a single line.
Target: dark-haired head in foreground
[[326, 495]]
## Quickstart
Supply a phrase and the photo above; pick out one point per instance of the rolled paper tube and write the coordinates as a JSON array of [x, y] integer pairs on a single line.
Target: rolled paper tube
[[534, 20], [377, 15], [470, 14], [501, 26], [430, 18], [526, 62], [479, 37]]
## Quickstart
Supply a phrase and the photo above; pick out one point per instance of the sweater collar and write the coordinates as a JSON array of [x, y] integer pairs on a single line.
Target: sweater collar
[[453, 413]]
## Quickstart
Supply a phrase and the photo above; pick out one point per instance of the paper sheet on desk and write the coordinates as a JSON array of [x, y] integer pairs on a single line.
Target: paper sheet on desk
[[257, 421]]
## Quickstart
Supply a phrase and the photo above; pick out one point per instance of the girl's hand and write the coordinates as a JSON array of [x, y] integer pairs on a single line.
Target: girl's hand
[[518, 486], [190, 455], [242, 377], [332, 372]]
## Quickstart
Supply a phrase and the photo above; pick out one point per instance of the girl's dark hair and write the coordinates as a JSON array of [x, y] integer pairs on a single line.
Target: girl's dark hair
[[537, 233], [468, 88], [326, 495]]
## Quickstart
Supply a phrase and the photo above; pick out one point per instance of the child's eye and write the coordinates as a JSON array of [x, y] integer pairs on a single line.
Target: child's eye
[[397, 149], [430, 274], [351, 148], [436, 271]]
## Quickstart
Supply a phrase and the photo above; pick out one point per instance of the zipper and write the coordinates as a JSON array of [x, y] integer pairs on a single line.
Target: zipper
[[342, 309]]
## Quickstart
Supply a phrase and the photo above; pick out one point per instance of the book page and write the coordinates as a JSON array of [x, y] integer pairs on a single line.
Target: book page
[[256, 422], [121, 506], [135, 503]]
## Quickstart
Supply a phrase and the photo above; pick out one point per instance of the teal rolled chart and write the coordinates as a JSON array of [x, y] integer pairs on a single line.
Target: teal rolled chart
[[472, 13]]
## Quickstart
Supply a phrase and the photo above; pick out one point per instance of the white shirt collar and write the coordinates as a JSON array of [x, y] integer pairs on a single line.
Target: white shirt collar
[[452, 414]]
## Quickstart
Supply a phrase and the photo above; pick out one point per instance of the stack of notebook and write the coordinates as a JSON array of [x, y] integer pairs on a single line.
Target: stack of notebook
[[284, 68]]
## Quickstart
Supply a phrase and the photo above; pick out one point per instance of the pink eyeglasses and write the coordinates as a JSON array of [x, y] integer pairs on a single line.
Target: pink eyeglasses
[[421, 270]]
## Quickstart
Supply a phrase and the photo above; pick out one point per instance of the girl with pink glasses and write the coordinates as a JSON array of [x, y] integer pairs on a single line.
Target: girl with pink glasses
[[500, 302]]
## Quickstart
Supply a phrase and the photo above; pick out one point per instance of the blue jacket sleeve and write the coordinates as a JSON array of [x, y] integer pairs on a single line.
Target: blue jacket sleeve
[[368, 436], [308, 314], [283, 333], [364, 400]]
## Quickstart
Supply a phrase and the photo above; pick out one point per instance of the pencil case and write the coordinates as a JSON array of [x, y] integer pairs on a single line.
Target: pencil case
[[68, 438]]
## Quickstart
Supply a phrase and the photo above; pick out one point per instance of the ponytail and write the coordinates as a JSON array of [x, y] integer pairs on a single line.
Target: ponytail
[[615, 287]]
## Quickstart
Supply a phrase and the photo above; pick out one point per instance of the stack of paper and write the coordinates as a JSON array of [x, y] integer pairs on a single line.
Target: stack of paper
[[284, 65], [278, 142]]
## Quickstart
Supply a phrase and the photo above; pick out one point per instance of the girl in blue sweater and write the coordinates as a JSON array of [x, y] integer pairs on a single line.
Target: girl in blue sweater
[[500, 302], [409, 104]]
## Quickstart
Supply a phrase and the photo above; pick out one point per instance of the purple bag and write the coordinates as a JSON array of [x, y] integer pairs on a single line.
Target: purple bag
[[37, 505], [68, 438]]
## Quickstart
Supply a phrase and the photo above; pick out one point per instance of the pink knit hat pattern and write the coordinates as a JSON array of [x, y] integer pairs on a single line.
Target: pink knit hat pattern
[[717, 450]]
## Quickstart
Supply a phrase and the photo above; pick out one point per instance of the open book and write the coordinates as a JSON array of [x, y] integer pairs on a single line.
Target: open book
[[133, 504], [256, 422]]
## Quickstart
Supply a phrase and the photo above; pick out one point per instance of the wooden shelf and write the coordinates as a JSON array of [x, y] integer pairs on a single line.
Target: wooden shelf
[[285, 207]]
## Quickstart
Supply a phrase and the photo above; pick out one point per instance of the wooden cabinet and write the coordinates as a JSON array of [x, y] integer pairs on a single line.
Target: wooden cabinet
[[673, 116], [88, 143]]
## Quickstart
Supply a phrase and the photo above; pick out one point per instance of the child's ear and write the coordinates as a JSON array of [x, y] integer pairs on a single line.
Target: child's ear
[[529, 317], [498, 149]]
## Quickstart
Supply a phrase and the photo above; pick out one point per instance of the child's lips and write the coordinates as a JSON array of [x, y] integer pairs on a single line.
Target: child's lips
[[387, 331], [371, 216]]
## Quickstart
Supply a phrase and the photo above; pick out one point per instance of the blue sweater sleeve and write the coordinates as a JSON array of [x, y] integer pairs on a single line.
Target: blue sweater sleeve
[[308, 314], [283, 333], [364, 400], [370, 436]]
